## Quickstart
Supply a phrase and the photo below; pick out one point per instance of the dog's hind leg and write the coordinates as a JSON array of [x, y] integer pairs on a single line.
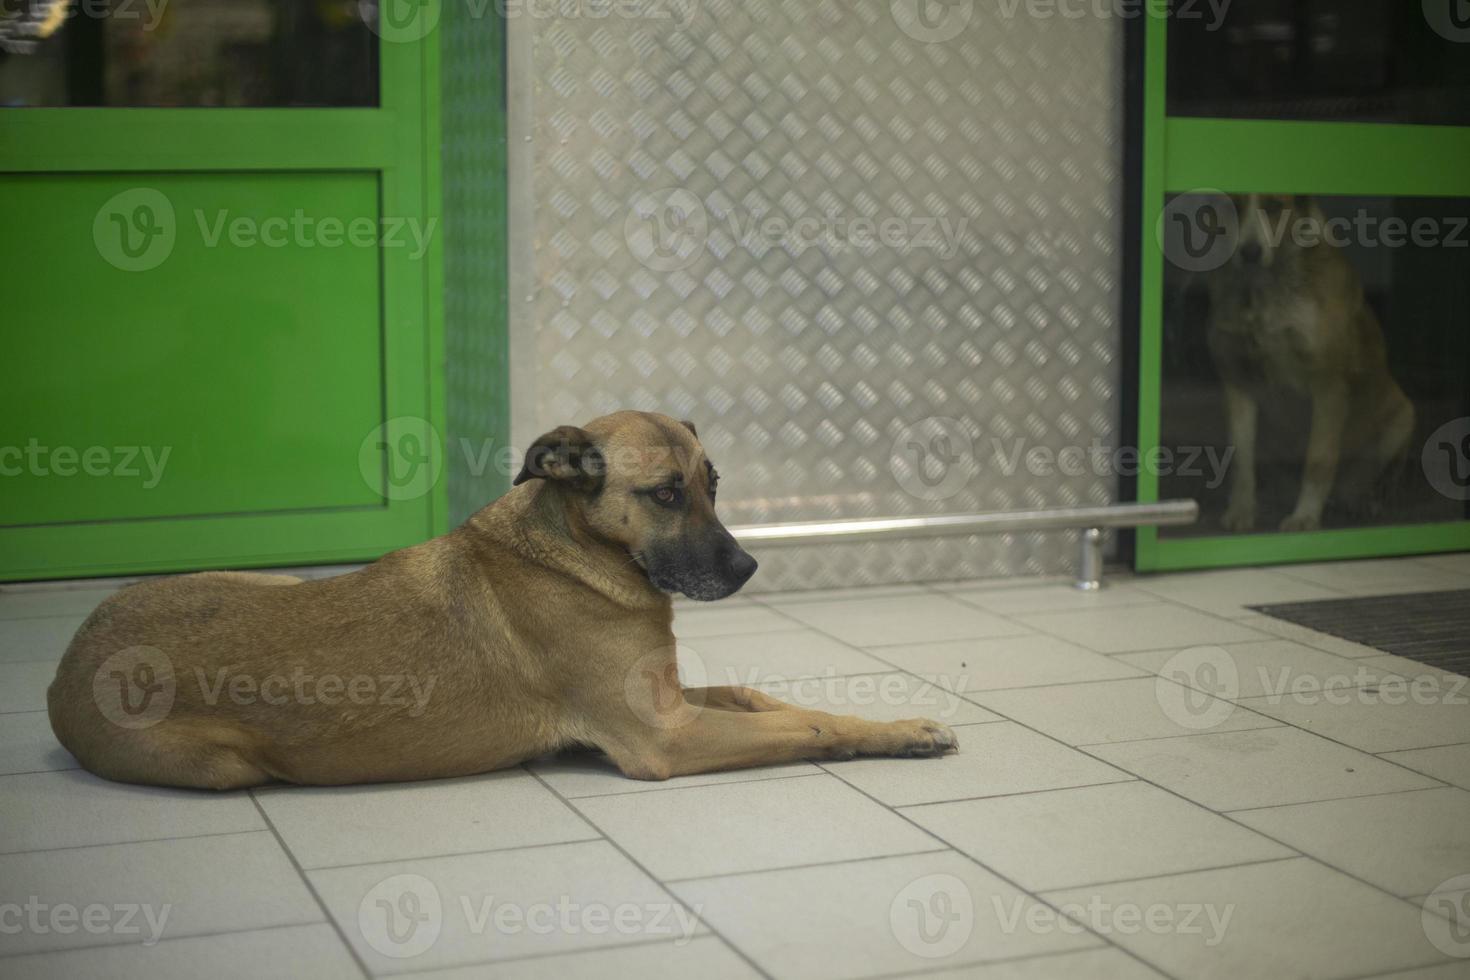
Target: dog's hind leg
[[1240, 513]]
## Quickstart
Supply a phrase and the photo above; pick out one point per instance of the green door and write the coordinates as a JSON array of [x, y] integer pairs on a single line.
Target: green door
[[1305, 299], [222, 324]]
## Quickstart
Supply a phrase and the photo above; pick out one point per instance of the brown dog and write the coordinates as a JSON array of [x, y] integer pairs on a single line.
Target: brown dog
[[543, 622]]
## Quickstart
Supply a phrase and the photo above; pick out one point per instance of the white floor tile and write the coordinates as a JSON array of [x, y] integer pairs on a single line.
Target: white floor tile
[[23, 685], [1134, 628], [1456, 564], [1378, 577], [1449, 763], [576, 774], [1248, 670], [29, 604], [1228, 593], [920, 618], [1053, 597], [1094, 834], [231, 883], [880, 697], [1016, 661], [767, 657], [1267, 767], [1117, 711], [76, 808], [314, 951], [1286, 919], [727, 620], [28, 745], [1089, 964], [1385, 718], [702, 957], [456, 911], [1309, 637], [732, 828], [333, 825], [993, 760], [1405, 843], [874, 918], [1444, 971], [37, 639], [780, 599]]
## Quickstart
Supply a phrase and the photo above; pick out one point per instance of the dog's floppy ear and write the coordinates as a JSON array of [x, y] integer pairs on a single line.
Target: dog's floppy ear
[[565, 454], [690, 426]]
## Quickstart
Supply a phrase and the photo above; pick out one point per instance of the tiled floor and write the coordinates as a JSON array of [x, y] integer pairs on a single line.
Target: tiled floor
[[1153, 781]]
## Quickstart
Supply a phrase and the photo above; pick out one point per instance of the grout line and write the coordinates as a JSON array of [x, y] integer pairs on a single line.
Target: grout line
[[697, 913], [1175, 874], [452, 854], [1418, 748], [124, 944], [121, 843], [941, 848], [666, 788], [434, 971], [310, 887], [1165, 738], [1025, 792], [1337, 799]]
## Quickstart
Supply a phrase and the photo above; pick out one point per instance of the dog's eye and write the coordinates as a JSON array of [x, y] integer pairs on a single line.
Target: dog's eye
[[666, 495]]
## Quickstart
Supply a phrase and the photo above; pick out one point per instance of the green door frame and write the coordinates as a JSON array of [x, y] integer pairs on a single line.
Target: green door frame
[[1189, 154], [399, 142]]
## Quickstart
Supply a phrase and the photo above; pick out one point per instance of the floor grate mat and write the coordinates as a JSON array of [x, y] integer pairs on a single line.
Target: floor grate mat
[[1430, 627]]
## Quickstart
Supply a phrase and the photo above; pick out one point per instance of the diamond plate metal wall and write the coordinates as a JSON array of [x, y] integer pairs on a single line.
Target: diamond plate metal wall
[[871, 250]]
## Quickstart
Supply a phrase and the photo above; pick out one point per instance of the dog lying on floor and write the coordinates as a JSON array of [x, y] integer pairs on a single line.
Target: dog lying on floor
[[543, 622], [1290, 313]]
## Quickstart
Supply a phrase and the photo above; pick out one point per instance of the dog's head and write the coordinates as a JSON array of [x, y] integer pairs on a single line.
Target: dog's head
[[1273, 227], [642, 482]]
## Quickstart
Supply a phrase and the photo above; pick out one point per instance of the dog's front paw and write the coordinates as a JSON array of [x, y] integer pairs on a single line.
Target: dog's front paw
[[1302, 522], [924, 739], [1239, 517]]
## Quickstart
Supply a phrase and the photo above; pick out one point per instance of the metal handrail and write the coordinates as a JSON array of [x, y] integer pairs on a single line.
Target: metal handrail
[[1090, 520]]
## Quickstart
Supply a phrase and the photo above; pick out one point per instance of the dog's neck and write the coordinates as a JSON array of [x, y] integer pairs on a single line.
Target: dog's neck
[[538, 522]]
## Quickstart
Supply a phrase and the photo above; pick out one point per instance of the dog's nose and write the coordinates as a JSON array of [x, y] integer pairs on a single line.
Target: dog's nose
[[1251, 252], [742, 566]]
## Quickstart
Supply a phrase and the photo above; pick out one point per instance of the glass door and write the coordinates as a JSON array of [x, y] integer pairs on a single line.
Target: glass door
[[221, 331], [1305, 305]]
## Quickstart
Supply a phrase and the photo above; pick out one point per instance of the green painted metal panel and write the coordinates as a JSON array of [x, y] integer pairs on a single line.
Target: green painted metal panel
[[212, 347], [302, 390]]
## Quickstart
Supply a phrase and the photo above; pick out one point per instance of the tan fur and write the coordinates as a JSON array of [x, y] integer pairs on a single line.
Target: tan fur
[[1295, 317], [532, 627]]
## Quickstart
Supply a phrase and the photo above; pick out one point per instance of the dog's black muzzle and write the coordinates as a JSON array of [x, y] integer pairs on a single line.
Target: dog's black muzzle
[[711, 567]]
